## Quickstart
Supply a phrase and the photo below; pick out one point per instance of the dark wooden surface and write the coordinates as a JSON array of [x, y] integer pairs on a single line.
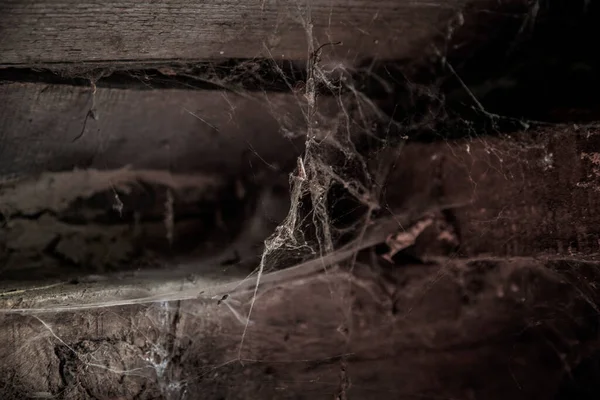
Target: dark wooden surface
[[42, 129], [436, 335], [34, 31], [529, 193], [506, 317]]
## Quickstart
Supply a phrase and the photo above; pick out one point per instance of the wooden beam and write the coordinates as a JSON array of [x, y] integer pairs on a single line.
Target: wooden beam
[[479, 328], [59, 127], [512, 203], [530, 193], [37, 31]]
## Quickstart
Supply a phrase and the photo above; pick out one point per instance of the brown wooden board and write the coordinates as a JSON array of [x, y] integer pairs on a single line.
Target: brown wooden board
[[460, 329], [58, 127], [36, 31], [535, 192], [530, 193]]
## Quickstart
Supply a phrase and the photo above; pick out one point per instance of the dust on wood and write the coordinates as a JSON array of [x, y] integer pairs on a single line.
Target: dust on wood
[[411, 333], [91, 222]]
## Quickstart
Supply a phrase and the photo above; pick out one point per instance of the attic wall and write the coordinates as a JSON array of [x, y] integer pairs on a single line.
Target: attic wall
[[150, 154]]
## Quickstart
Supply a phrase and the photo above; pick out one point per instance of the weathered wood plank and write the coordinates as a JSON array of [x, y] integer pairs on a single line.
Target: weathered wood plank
[[89, 222], [528, 193], [79, 249], [514, 205], [34, 31], [56, 127], [462, 329]]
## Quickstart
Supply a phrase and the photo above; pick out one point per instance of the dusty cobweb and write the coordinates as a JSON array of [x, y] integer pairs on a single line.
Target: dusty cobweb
[[348, 146]]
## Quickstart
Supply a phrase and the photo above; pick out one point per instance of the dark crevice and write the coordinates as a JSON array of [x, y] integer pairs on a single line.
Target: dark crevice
[[540, 67], [583, 383], [498, 72], [65, 358], [31, 216], [232, 74], [50, 251]]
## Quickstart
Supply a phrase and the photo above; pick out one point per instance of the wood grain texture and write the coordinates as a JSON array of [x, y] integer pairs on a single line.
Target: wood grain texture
[[460, 329], [39, 31], [534, 192], [50, 128]]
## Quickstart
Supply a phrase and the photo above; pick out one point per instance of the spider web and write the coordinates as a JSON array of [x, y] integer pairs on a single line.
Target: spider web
[[335, 195]]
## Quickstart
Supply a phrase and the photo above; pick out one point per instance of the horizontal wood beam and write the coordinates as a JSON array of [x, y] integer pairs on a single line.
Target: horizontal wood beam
[[483, 328], [530, 193], [57, 127], [38, 31]]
